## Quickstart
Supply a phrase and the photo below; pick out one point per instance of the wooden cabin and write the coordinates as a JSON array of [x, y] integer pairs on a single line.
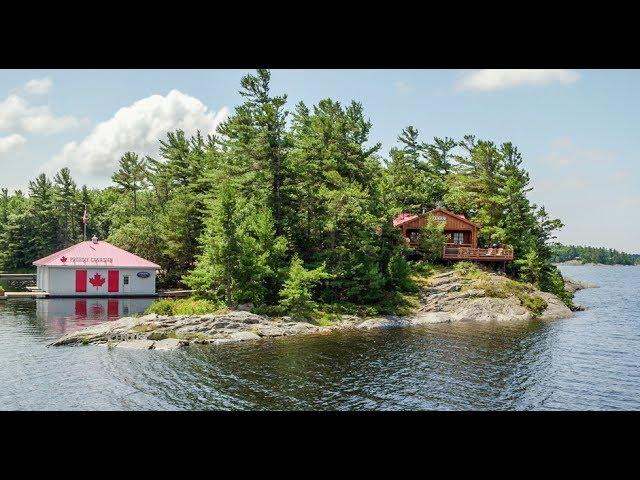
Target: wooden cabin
[[462, 236]]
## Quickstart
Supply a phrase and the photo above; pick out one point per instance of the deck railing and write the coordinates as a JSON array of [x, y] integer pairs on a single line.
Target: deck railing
[[460, 252]]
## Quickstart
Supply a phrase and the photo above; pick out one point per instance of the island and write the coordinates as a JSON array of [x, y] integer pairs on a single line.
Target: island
[[463, 294]]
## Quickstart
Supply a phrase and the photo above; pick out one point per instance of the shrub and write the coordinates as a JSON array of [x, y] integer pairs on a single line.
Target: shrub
[[400, 272], [534, 304], [163, 306], [468, 269], [1, 291], [422, 269], [432, 239], [296, 295], [185, 306]]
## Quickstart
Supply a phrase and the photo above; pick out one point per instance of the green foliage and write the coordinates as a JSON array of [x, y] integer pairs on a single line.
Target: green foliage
[[185, 306], [131, 176], [534, 303], [504, 288], [295, 295], [432, 239], [422, 269], [400, 273], [225, 214], [467, 269], [606, 256], [240, 252]]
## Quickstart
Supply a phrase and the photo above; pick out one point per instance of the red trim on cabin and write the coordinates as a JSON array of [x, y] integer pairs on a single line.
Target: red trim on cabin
[[114, 281], [81, 281]]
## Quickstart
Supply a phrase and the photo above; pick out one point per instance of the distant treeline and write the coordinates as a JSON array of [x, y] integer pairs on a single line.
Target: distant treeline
[[606, 256]]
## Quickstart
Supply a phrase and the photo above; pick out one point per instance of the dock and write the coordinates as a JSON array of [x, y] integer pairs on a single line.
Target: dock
[[32, 294], [18, 277]]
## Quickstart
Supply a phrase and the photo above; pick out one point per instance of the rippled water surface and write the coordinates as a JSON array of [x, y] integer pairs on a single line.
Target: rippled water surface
[[590, 362]]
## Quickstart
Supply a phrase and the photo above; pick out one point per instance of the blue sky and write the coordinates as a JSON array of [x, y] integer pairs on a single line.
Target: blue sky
[[575, 129]]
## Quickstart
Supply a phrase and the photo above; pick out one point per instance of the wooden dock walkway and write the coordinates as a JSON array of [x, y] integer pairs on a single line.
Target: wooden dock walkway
[[19, 277], [38, 294]]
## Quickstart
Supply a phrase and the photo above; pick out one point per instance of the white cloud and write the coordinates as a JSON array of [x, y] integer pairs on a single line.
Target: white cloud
[[564, 152], [17, 114], [497, 79], [403, 87], [11, 142], [137, 128], [573, 184], [38, 86]]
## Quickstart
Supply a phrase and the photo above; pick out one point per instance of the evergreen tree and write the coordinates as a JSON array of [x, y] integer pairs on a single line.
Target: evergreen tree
[[439, 154], [131, 176], [255, 145], [65, 201], [239, 246], [42, 206], [296, 295]]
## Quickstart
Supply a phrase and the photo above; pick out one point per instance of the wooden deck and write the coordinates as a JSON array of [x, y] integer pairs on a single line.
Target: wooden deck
[[38, 294], [460, 252]]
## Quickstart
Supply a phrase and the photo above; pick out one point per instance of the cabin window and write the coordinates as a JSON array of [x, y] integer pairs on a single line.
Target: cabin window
[[126, 279], [458, 237], [414, 236]]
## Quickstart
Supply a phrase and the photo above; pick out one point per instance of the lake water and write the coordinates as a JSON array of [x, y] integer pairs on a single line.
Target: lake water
[[588, 362]]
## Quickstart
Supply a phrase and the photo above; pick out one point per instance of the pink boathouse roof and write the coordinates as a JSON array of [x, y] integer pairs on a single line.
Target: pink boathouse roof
[[94, 254]]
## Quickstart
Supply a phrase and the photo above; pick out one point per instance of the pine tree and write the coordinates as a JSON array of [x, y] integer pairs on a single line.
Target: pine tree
[[131, 176], [296, 295], [239, 246], [42, 206], [65, 200], [439, 154], [255, 144]]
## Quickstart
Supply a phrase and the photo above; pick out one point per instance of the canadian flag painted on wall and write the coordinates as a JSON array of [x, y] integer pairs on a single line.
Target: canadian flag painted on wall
[[97, 281]]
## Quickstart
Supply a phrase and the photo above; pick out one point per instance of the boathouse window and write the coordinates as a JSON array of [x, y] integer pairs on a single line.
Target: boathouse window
[[458, 237]]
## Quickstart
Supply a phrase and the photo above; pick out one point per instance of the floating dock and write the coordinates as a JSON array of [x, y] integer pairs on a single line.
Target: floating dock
[[18, 277], [32, 294], [36, 293]]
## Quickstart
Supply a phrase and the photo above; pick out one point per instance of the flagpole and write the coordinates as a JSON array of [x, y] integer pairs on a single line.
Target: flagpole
[[84, 220]]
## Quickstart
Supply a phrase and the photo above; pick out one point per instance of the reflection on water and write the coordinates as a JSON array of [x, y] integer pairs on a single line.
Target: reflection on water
[[64, 315], [587, 362]]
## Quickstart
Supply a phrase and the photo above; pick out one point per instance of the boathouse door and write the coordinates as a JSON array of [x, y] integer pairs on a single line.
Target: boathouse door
[[114, 281], [126, 284]]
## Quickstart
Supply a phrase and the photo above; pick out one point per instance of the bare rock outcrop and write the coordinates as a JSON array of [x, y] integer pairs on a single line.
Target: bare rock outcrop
[[572, 285], [448, 297]]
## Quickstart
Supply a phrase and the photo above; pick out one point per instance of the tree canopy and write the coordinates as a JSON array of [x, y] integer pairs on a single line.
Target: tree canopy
[[288, 207]]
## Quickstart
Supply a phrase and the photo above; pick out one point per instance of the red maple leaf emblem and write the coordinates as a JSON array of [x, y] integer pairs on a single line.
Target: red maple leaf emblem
[[63, 259], [97, 280]]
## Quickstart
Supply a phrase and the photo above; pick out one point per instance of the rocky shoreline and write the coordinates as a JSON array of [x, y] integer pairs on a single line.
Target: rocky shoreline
[[448, 297], [572, 285]]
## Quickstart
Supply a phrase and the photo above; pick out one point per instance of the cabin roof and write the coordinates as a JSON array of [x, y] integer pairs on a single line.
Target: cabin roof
[[404, 218], [462, 218], [94, 254], [408, 217]]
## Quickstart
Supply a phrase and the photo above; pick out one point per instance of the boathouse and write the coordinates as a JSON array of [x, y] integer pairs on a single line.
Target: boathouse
[[462, 233], [95, 269]]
